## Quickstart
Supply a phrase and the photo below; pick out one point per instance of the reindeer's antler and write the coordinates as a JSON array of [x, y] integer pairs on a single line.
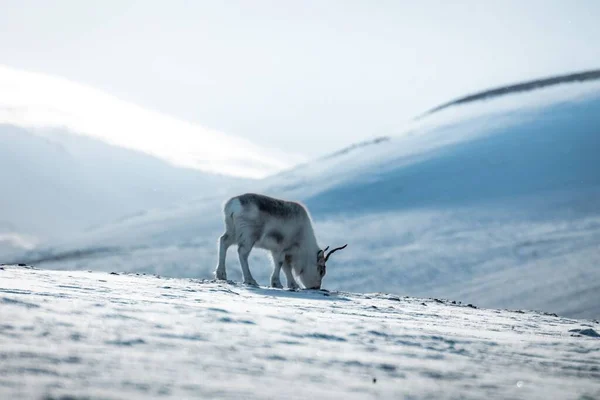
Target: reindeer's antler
[[333, 251]]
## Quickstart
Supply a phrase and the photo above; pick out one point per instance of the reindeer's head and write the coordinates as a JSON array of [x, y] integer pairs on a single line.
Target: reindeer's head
[[313, 275]]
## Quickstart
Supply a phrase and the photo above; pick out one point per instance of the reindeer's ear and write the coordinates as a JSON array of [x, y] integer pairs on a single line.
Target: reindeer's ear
[[321, 254]]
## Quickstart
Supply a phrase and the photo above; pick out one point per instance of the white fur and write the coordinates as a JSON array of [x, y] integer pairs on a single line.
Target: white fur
[[289, 237]]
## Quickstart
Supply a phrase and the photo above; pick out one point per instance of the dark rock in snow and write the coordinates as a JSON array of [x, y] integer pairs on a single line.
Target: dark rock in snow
[[586, 332]]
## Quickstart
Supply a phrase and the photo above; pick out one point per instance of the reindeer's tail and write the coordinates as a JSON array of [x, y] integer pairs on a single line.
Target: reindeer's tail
[[232, 207]]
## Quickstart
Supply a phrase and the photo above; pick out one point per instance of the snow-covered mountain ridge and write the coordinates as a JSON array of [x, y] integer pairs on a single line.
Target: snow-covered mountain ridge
[[79, 334], [520, 87]]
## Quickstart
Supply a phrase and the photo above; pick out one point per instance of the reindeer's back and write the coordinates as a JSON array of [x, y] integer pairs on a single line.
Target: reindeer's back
[[271, 206]]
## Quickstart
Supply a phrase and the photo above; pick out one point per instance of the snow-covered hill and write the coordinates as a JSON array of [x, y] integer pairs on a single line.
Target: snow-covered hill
[[112, 336], [494, 202], [56, 184]]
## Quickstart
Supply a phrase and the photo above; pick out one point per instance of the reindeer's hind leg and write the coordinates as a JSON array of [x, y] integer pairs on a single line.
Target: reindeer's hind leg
[[225, 241], [246, 237], [243, 252]]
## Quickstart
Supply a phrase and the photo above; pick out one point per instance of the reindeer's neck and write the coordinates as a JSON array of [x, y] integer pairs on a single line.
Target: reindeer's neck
[[307, 253], [310, 240]]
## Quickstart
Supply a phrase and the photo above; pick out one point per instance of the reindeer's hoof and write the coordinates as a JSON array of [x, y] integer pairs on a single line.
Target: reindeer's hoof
[[275, 283], [251, 282], [221, 275], [293, 286]]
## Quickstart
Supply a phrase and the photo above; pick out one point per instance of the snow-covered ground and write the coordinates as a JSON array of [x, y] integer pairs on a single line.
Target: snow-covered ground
[[495, 202], [99, 335]]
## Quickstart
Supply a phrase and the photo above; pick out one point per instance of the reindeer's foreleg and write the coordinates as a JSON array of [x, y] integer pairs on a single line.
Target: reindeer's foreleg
[[287, 270], [275, 280]]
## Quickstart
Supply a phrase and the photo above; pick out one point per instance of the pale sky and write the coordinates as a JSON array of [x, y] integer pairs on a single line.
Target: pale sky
[[305, 76]]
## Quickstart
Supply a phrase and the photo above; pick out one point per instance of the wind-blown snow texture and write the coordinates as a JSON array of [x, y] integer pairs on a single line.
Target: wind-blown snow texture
[[137, 337], [495, 203]]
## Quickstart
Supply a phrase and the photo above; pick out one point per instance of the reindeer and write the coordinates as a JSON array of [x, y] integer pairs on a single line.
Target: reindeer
[[282, 227]]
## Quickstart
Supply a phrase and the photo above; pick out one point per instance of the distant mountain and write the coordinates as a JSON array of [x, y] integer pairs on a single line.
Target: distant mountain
[[31, 100], [495, 203]]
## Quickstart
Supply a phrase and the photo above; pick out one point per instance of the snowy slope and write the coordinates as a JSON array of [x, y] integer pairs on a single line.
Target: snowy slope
[[55, 183], [111, 336], [495, 203], [34, 100]]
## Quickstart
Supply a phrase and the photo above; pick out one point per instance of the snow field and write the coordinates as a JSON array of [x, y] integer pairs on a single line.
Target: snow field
[[128, 336]]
